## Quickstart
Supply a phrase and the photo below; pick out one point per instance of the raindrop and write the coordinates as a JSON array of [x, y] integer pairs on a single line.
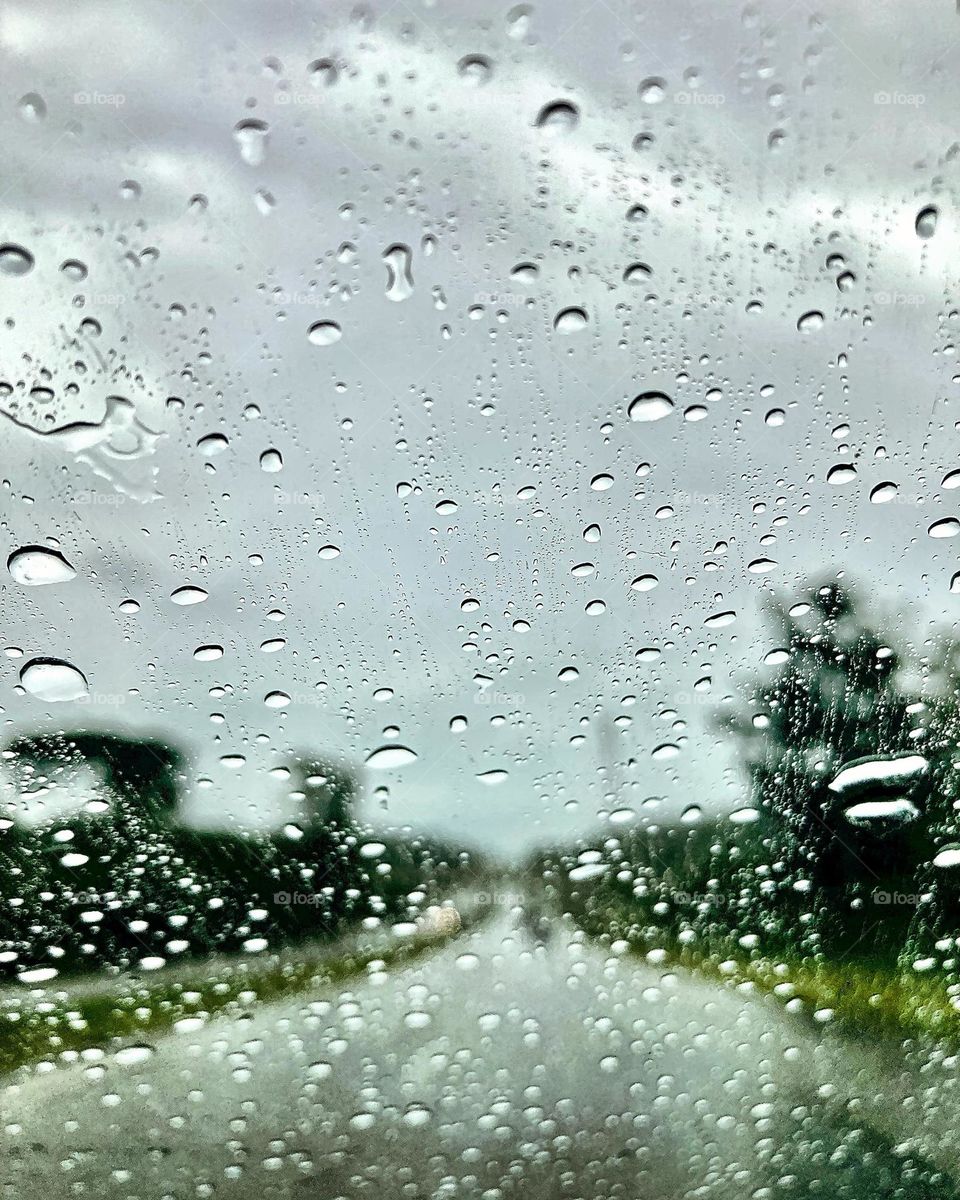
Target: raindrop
[[276, 700], [650, 406], [475, 69], [32, 107], [324, 333], [74, 270], [719, 620], [34, 566], [645, 583], [133, 1056], [570, 320], [251, 137], [386, 758], [208, 653], [328, 552], [525, 272], [591, 533], [637, 273], [949, 527], [53, 679], [883, 493], [492, 778], [189, 595], [558, 117], [841, 474], [212, 444], [271, 461], [653, 90], [602, 482], [518, 21], [15, 260], [926, 222], [811, 321], [399, 276], [323, 72]]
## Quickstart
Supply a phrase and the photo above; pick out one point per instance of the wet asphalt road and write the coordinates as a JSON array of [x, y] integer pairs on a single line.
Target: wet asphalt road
[[497, 1067]]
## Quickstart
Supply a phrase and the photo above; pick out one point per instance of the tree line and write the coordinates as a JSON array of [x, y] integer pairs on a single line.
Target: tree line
[[850, 844], [125, 880]]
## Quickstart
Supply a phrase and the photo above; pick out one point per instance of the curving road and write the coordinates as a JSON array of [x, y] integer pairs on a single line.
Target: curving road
[[498, 1067]]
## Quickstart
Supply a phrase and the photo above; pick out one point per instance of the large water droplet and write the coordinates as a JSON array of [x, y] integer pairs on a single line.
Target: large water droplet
[[34, 566], [650, 406], [883, 493], [492, 778], [15, 260], [719, 620], [841, 474], [475, 69], [53, 679], [32, 107], [926, 222], [323, 72], [811, 321], [653, 90], [133, 1056], [188, 595], [570, 320], [645, 583], [386, 758], [251, 137], [399, 275], [324, 333], [949, 527], [558, 118]]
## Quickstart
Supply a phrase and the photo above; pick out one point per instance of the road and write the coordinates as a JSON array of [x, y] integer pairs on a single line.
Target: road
[[497, 1067]]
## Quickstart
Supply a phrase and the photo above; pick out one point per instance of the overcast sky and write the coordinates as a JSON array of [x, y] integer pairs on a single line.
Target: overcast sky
[[785, 153]]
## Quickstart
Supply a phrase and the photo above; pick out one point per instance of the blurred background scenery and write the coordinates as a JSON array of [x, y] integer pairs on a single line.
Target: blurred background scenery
[[480, 684]]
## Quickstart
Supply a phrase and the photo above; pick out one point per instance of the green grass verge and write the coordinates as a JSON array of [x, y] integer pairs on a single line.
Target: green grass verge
[[862, 998], [135, 1013]]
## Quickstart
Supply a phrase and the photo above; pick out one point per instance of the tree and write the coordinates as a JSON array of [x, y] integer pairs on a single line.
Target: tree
[[328, 792], [837, 700], [142, 775]]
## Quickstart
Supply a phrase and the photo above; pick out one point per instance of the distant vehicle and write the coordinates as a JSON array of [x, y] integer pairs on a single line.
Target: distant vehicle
[[536, 924], [439, 920]]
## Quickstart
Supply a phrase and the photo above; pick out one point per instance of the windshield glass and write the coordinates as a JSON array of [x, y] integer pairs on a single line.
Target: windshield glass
[[480, 672]]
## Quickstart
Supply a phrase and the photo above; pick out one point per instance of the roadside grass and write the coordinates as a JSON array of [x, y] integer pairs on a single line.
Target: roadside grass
[[134, 1013], [864, 998]]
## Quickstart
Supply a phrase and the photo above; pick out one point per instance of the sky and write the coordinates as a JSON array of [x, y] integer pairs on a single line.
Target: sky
[[503, 224]]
